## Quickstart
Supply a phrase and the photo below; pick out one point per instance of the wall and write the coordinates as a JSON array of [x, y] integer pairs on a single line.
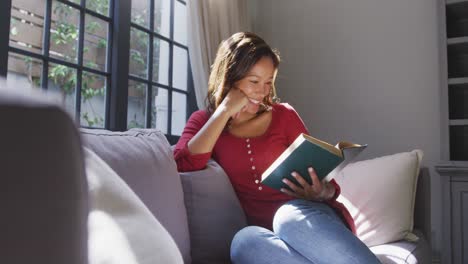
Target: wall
[[361, 70]]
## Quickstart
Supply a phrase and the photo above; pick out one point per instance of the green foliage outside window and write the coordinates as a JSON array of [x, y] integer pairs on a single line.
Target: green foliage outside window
[[138, 60], [65, 35]]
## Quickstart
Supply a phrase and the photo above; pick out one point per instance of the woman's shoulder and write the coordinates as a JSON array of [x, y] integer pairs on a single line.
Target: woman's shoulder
[[198, 118], [290, 119], [283, 108], [200, 115]]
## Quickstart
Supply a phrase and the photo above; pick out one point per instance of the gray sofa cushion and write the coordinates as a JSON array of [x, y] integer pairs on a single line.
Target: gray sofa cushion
[[144, 160], [43, 192], [214, 212], [121, 228], [404, 252]]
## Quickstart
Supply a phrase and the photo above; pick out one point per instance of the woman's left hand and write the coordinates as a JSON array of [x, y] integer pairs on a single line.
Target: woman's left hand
[[317, 191]]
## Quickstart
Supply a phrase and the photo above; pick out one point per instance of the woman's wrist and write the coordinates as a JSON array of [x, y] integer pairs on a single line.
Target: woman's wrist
[[222, 112], [328, 191]]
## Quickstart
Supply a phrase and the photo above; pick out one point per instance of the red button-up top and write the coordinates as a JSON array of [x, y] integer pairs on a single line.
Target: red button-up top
[[245, 159]]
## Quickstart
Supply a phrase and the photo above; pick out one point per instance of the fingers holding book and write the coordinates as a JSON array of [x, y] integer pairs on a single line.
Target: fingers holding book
[[317, 191]]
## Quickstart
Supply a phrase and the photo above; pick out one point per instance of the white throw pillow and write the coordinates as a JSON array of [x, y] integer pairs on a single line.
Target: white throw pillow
[[380, 195], [121, 228]]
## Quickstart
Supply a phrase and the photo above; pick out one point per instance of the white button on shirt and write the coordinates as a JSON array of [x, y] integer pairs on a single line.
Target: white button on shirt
[[253, 166]]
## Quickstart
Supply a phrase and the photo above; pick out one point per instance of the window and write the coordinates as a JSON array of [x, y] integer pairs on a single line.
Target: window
[[158, 71], [136, 76], [62, 46]]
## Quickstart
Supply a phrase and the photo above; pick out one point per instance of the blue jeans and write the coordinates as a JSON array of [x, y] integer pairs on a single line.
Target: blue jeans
[[304, 232]]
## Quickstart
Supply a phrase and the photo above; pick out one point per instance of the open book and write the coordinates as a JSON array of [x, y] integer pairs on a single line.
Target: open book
[[306, 151]]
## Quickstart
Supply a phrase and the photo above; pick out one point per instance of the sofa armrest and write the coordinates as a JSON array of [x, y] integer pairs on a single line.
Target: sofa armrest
[[43, 191], [422, 208]]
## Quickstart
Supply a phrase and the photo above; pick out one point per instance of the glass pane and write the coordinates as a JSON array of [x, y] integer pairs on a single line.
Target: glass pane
[[64, 32], [26, 24], [180, 23], [179, 68], [98, 6], [140, 14], [93, 100], [23, 71], [161, 61], [159, 106], [179, 113], [162, 15], [459, 142], [457, 24], [62, 79], [95, 43], [136, 114], [458, 57], [75, 1], [139, 53], [458, 98]]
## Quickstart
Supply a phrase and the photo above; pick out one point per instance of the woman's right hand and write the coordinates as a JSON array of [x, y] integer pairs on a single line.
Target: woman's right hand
[[234, 102]]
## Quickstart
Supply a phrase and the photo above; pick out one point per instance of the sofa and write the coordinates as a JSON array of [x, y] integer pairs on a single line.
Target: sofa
[[46, 193]]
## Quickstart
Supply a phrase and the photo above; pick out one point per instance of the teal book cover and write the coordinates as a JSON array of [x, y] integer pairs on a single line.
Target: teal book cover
[[306, 151]]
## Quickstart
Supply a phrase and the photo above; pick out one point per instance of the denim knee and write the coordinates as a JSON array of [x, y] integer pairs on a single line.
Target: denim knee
[[242, 243], [294, 211]]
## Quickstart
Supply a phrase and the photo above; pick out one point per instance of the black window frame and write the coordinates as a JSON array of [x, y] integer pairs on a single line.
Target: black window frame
[[117, 65], [149, 82]]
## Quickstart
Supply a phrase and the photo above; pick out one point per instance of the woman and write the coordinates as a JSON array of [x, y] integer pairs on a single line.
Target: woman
[[245, 129]]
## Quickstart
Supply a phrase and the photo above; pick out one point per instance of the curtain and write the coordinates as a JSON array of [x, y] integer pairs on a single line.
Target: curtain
[[209, 22]]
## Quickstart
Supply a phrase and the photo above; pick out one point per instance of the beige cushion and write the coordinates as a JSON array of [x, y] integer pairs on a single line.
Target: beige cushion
[[404, 252], [121, 228], [380, 195], [143, 159], [214, 213]]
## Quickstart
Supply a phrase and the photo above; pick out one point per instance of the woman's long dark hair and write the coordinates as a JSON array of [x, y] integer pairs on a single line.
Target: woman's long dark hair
[[234, 59]]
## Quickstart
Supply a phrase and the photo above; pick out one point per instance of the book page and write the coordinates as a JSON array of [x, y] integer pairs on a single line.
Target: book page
[[324, 145], [346, 144]]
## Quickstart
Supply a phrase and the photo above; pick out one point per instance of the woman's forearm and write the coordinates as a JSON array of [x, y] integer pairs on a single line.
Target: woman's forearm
[[206, 138]]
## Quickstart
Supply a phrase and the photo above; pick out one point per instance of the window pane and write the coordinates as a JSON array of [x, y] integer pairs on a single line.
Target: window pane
[[139, 53], [23, 71], [160, 61], [95, 43], [459, 142], [180, 23], [99, 6], [136, 114], [75, 1], [64, 32], [179, 113], [62, 79], [159, 106], [162, 15], [140, 14], [93, 100], [179, 68], [26, 24]]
